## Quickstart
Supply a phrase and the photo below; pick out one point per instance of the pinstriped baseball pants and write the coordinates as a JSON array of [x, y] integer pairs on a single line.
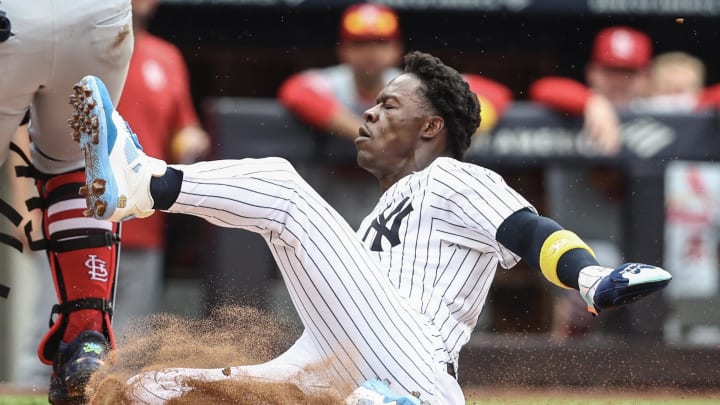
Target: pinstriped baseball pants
[[353, 317]]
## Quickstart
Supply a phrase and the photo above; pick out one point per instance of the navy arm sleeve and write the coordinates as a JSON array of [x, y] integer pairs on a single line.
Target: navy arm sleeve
[[524, 233]]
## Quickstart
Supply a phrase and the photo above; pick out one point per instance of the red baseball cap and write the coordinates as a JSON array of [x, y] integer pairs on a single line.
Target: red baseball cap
[[622, 47], [369, 21]]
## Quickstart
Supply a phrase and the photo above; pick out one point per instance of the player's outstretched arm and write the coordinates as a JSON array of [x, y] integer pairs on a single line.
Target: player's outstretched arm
[[309, 97], [567, 261]]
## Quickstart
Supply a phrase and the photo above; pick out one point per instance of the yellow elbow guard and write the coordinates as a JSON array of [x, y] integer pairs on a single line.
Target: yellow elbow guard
[[552, 250]]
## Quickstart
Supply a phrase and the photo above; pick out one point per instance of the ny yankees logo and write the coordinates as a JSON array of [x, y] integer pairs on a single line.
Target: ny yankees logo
[[98, 271], [381, 229]]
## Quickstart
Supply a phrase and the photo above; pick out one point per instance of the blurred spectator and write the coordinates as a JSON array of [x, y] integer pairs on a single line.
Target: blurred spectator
[[616, 74], [334, 98], [157, 103], [677, 84], [676, 73]]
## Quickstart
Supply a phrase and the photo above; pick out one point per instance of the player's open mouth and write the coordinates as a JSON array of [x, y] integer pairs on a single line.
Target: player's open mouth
[[364, 132]]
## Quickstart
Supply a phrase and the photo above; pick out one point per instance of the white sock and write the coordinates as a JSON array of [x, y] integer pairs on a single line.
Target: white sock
[[588, 280]]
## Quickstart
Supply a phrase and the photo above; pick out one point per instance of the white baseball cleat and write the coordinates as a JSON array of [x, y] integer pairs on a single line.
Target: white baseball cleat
[[604, 288], [161, 386], [158, 387], [117, 171]]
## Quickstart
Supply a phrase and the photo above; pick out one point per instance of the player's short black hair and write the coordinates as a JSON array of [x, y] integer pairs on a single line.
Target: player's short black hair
[[450, 96]]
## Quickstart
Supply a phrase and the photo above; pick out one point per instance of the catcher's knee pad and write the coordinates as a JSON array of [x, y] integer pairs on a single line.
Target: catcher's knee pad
[[83, 257]]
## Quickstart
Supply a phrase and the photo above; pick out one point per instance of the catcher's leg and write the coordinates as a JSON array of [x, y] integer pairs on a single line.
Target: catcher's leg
[[83, 255]]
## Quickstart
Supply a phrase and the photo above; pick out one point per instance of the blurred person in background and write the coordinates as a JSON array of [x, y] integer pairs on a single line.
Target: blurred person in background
[[616, 75], [677, 84], [677, 80], [333, 99], [156, 102]]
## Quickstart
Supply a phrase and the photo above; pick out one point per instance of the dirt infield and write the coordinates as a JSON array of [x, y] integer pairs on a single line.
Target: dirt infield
[[10, 395], [243, 335], [228, 336]]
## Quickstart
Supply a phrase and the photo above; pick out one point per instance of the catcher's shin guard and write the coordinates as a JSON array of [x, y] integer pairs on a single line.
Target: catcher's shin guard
[[83, 254]]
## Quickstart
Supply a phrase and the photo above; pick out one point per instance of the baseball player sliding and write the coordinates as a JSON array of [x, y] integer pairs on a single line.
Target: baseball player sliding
[[396, 300]]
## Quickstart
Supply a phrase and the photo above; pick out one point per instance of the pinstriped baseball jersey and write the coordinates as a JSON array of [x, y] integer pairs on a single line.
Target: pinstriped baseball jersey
[[434, 235]]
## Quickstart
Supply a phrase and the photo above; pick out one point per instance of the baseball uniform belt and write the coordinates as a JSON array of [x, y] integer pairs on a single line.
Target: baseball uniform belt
[[451, 369]]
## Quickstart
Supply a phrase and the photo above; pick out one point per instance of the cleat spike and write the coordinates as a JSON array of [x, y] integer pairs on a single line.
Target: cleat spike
[[100, 208], [98, 187]]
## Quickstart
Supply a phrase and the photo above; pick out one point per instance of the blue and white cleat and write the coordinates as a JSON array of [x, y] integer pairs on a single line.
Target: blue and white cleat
[[117, 171], [378, 392], [604, 288]]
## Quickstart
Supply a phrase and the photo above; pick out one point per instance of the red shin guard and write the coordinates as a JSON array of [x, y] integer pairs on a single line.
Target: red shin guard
[[83, 255]]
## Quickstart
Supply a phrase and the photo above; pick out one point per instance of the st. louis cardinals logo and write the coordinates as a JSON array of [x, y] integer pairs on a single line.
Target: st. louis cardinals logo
[[381, 229], [96, 268]]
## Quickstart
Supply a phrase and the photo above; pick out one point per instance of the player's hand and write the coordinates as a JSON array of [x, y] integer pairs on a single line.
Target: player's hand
[[602, 125]]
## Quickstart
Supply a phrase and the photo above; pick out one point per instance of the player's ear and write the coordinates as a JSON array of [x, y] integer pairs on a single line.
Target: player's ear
[[433, 125]]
